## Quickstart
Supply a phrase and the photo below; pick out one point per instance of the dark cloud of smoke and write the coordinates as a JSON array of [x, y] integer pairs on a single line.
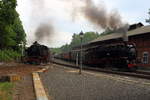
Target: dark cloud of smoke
[[45, 28], [95, 15], [44, 31], [99, 15]]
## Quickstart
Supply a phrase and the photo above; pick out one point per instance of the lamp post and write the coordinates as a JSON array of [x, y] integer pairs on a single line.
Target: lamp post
[[22, 48], [81, 37]]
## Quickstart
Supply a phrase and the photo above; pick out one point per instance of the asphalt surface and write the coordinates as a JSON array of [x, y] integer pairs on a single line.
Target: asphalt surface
[[63, 83]]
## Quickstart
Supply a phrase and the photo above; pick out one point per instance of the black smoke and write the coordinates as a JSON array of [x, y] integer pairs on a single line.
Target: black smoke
[[99, 15], [44, 31]]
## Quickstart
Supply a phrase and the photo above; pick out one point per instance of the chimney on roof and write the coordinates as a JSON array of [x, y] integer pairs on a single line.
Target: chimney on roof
[[135, 26]]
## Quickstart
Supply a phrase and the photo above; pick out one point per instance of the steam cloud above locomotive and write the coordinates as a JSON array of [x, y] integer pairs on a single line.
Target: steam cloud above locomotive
[[43, 31], [45, 28], [99, 15]]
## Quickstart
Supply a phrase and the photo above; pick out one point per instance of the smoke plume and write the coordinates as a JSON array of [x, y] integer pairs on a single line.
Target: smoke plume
[[99, 15], [43, 31], [45, 28]]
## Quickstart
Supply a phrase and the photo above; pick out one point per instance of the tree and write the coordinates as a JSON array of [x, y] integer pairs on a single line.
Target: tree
[[76, 41], [65, 48], [20, 34], [7, 16], [11, 29], [106, 32], [148, 20], [87, 37]]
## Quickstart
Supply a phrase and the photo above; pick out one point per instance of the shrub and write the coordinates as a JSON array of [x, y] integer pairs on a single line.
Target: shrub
[[9, 55]]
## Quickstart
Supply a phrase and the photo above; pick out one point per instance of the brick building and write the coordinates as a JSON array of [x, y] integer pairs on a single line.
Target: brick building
[[138, 34]]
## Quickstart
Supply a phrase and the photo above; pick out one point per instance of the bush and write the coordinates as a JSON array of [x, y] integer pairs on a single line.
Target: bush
[[9, 55]]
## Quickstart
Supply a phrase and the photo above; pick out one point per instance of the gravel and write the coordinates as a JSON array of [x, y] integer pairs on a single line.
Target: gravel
[[64, 83]]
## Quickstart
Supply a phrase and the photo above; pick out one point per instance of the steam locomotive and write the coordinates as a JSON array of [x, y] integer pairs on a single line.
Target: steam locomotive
[[37, 54], [121, 56]]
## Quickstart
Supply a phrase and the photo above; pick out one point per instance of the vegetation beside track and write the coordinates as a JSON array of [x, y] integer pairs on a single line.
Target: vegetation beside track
[[9, 55], [6, 91], [12, 34]]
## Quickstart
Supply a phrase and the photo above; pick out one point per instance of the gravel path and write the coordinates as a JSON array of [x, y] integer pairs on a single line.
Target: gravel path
[[66, 84]]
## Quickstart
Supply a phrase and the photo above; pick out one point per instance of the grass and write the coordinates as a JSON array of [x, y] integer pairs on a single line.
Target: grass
[[6, 90]]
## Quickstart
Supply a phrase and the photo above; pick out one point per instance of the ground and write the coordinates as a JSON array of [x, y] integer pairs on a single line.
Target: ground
[[17, 68], [23, 89], [6, 90], [63, 83]]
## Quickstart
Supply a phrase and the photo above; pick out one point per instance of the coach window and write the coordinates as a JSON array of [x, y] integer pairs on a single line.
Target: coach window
[[145, 57]]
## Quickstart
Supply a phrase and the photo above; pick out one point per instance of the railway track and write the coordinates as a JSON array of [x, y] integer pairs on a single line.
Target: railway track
[[143, 72], [138, 74]]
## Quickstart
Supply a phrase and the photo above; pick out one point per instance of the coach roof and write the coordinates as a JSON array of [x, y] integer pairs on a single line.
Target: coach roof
[[138, 31]]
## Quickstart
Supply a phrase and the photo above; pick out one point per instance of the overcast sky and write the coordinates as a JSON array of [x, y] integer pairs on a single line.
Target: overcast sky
[[58, 13]]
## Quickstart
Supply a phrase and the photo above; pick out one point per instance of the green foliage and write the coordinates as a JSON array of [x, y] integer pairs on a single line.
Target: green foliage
[[56, 50], [106, 32], [148, 20], [6, 91], [76, 40], [65, 48], [11, 29], [20, 33], [88, 36], [9, 55]]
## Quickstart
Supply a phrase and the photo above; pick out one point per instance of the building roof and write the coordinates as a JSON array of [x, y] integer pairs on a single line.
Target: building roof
[[134, 26], [138, 31]]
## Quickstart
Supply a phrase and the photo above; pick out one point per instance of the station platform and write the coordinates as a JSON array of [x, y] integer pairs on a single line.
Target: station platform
[[65, 83]]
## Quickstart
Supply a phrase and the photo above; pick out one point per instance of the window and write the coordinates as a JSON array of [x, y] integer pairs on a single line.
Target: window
[[145, 57]]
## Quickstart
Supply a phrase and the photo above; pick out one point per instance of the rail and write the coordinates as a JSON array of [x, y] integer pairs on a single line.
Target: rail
[[138, 74]]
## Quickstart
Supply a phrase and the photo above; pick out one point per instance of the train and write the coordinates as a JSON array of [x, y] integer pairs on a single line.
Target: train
[[121, 56], [37, 54]]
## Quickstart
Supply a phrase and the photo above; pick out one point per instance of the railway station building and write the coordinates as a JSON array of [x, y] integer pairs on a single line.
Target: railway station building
[[138, 34]]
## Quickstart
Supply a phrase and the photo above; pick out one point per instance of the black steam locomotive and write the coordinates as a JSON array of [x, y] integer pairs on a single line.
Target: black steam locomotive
[[37, 54], [119, 56]]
